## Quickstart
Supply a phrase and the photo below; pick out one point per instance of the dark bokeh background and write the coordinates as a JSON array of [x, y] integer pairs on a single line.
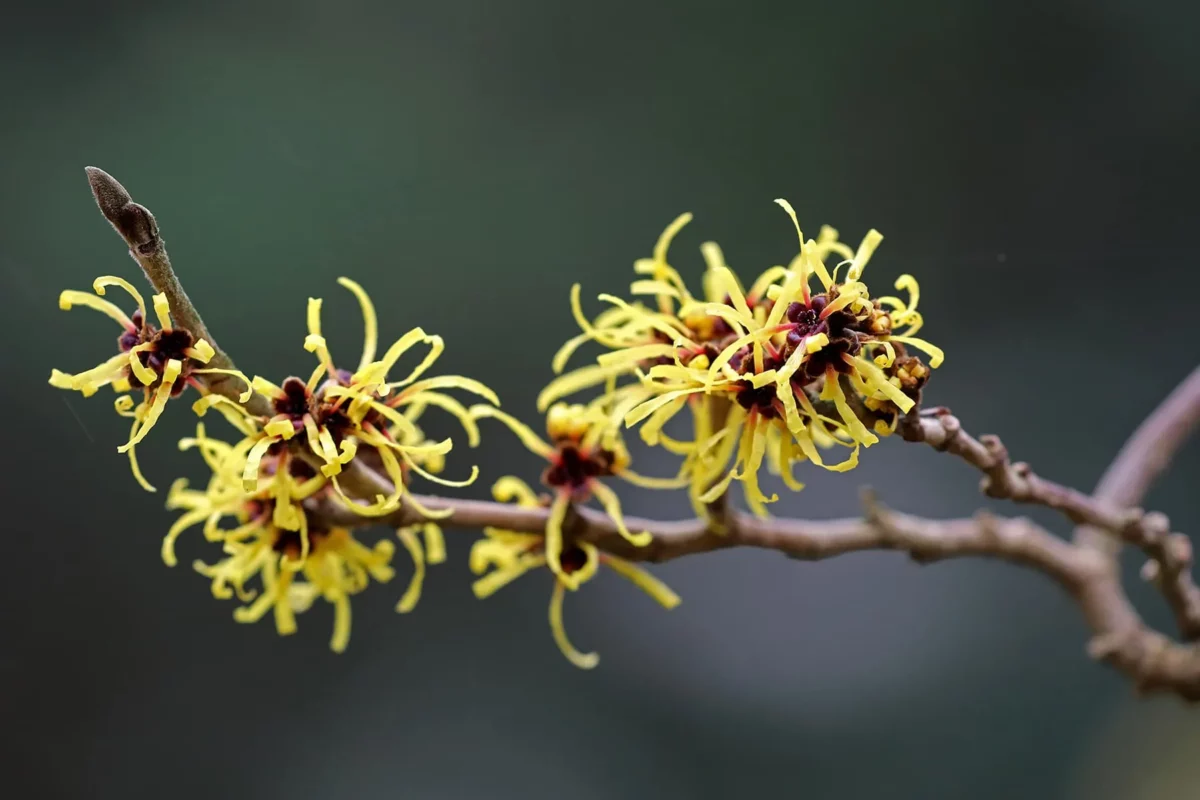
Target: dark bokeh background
[[468, 162]]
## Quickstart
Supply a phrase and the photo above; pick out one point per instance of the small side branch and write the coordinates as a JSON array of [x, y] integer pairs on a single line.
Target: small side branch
[[1145, 456], [1149, 451], [1006, 480]]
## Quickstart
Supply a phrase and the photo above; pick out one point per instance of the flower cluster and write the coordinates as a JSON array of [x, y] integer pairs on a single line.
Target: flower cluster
[[507, 555], [775, 374], [270, 538], [159, 362], [266, 497], [585, 446]]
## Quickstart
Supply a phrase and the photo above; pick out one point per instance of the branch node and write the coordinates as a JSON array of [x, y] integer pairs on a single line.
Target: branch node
[[1155, 523], [994, 447], [951, 429], [1106, 645], [1148, 661], [873, 509], [1178, 548], [989, 526]]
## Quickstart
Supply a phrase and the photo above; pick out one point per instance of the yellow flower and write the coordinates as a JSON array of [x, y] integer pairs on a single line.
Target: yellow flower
[[785, 357], [338, 566], [159, 361], [585, 446], [509, 555], [728, 349], [678, 326], [339, 413], [272, 541], [277, 502]]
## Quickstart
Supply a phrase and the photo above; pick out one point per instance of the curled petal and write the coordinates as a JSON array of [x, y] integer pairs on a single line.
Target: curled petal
[[936, 355], [377, 371], [435, 543], [99, 285], [237, 373], [456, 409], [643, 580], [143, 373], [833, 391], [71, 298], [170, 373], [162, 310], [499, 578], [863, 255], [448, 382], [253, 460], [554, 532], [408, 601], [805, 261], [184, 522], [564, 353], [370, 322], [510, 488], [203, 352], [133, 464], [341, 623], [877, 380], [89, 381], [647, 482], [612, 506], [581, 660], [531, 440], [417, 468], [574, 381]]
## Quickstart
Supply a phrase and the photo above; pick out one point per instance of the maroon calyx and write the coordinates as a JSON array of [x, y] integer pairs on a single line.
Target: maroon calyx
[[573, 468], [296, 401], [761, 399], [573, 558], [165, 345]]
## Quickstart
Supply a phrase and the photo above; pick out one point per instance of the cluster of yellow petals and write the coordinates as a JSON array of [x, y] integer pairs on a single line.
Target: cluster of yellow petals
[[373, 411], [255, 504], [269, 542], [158, 385], [503, 556], [743, 359], [584, 446]]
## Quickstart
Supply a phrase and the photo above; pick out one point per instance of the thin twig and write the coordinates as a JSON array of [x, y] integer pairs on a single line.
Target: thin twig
[[138, 228], [1146, 455], [1142, 459], [1149, 451], [1005, 480]]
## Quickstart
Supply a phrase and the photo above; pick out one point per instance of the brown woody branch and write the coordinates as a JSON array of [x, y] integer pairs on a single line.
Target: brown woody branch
[[1149, 451], [1120, 638], [1142, 459], [139, 229]]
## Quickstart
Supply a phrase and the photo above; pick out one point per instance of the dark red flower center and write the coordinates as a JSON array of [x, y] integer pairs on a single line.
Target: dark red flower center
[[572, 467]]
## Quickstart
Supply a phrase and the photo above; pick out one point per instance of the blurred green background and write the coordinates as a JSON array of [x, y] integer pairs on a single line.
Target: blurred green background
[[1034, 167]]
